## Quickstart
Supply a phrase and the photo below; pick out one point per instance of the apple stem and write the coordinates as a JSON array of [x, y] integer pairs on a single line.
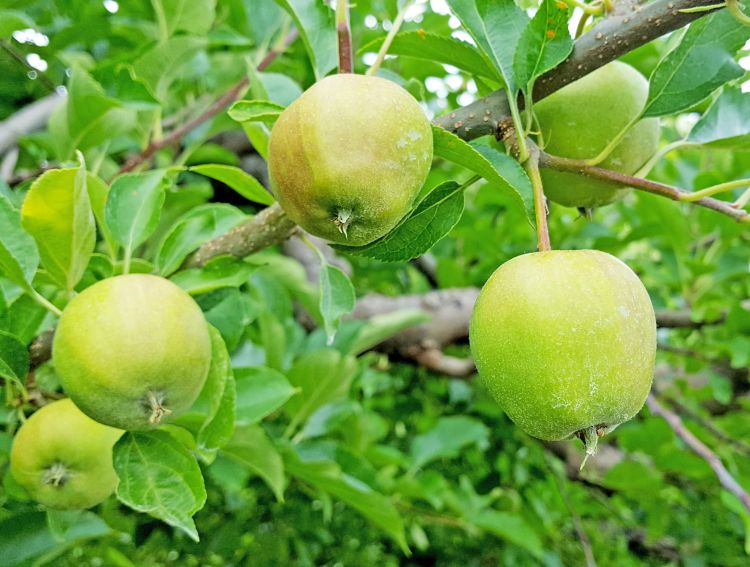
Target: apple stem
[[590, 438], [531, 166], [344, 32]]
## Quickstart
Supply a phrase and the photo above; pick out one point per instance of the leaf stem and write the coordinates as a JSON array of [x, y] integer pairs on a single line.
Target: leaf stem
[[649, 165], [523, 150], [126, 260], [344, 32], [390, 37], [613, 143], [734, 8], [531, 166], [714, 190], [46, 303], [593, 9]]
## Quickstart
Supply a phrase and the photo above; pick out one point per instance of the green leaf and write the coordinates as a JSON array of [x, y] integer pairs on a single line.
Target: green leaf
[[468, 14], [544, 43], [13, 20], [726, 124], [195, 227], [19, 257], [159, 476], [252, 448], [260, 391], [703, 61], [504, 24], [224, 271], [134, 207], [191, 16], [322, 376], [328, 477], [498, 169], [430, 221], [511, 527], [27, 535], [98, 193], [218, 398], [437, 48], [26, 318], [447, 438], [161, 64], [242, 182], [265, 111], [337, 297], [315, 22], [57, 213], [4, 312], [14, 358]]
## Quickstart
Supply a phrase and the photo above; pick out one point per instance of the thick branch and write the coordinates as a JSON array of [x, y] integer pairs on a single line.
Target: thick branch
[[629, 27], [654, 187], [223, 101], [270, 226], [28, 119], [697, 446]]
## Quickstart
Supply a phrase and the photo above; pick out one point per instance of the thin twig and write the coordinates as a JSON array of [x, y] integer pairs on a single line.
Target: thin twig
[[344, 32], [223, 101], [700, 449], [389, 38], [673, 193]]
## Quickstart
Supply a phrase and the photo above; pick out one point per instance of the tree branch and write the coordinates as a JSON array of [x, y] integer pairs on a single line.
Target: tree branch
[[628, 27], [697, 446], [673, 193], [28, 119], [224, 100]]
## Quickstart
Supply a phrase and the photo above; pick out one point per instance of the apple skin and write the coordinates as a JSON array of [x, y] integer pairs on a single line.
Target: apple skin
[[348, 158], [63, 458], [578, 122], [565, 342], [132, 351]]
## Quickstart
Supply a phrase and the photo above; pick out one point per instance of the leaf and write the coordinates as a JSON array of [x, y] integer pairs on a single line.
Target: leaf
[[224, 271], [322, 376], [703, 61], [57, 213], [219, 398], [4, 311], [260, 391], [510, 527], [447, 438], [14, 358], [159, 476], [134, 207], [19, 257], [328, 477], [430, 221], [315, 22], [544, 43], [337, 297], [437, 48], [26, 318], [242, 182], [726, 124], [191, 16], [252, 448], [160, 65], [13, 20], [504, 24], [497, 168], [27, 535], [98, 193], [468, 14], [265, 111], [195, 227]]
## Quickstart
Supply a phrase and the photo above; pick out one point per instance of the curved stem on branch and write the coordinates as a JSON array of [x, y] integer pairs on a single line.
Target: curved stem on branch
[[389, 38], [736, 10], [714, 190], [531, 166], [673, 193]]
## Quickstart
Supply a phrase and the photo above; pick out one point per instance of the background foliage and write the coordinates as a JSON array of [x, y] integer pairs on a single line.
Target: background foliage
[[342, 455]]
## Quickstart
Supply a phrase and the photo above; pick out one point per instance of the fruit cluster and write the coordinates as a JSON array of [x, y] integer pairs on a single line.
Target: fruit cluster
[[132, 352]]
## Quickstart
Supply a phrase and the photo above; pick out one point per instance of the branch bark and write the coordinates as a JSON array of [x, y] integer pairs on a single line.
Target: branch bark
[[28, 119], [700, 449], [628, 27]]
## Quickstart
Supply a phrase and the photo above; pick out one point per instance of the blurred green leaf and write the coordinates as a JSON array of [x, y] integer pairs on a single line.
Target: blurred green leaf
[[191, 16], [260, 391], [726, 124], [14, 358], [447, 438], [244, 183], [315, 21], [224, 271], [19, 257], [265, 111], [251, 447], [510, 527], [337, 297]]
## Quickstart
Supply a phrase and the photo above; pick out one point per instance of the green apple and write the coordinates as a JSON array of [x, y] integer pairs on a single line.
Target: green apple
[[132, 351], [565, 342], [348, 158], [63, 458], [581, 119]]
